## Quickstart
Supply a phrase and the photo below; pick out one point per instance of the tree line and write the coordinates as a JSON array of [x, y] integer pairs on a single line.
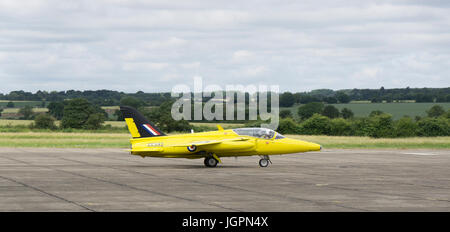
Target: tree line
[[317, 119], [287, 99]]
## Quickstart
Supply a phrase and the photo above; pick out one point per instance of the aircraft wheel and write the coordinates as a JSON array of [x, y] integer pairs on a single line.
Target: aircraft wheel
[[263, 163], [211, 162]]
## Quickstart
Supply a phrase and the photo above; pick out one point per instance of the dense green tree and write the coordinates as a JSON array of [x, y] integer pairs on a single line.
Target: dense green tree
[[433, 127], [287, 99], [388, 98], [362, 126], [94, 121], [424, 97], [446, 115], [346, 113], [405, 127], [44, 121], [10, 104], [307, 110], [376, 100], [330, 100], [56, 109], [381, 126], [26, 112], [342, 97], [340, 127], [1, 110], [316, 125], [443, 97], [330, 111], [306, 98], [285, 114], [131, 101], [435, 111], [76, 113], [288, 126]]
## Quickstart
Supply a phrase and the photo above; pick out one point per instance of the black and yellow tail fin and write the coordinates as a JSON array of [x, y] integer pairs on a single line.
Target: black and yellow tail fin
[[138, 125]]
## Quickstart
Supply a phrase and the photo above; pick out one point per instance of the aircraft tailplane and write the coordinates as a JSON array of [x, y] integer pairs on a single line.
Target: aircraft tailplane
[[138, 125]]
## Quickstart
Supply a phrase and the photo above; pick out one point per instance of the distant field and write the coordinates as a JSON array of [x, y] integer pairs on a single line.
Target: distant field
[[110, 107], [3, 103], [6, 122], [121, 140], [16, 110], [397, 110]]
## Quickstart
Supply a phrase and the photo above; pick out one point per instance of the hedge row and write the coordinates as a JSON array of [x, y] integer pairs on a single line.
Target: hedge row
[[377, 126]]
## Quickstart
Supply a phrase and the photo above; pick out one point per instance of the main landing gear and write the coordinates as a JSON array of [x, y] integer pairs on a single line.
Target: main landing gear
[[211, 160], [264, 161]]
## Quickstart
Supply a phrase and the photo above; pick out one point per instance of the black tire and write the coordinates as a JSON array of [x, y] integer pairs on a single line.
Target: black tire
[[263, 163], [210, 162]]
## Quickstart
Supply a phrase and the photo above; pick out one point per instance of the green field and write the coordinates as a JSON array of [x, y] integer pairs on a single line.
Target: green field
[[121, 140], [12, 122], [64, 140], [397, 110]]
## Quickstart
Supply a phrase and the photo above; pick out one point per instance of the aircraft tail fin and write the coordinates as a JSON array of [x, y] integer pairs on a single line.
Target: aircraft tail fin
[[138, 125]]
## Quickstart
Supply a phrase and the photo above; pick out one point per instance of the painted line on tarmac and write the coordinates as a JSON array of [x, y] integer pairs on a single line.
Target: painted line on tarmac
[[417, 153]]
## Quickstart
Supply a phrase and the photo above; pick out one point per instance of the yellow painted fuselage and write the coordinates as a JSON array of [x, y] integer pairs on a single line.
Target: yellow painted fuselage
[[230, 144]]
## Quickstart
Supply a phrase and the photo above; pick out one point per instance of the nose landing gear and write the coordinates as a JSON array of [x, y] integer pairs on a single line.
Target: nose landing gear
[[264, 161]]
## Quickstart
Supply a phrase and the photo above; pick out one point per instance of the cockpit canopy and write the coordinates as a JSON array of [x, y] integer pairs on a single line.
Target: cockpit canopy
[[258, 133]]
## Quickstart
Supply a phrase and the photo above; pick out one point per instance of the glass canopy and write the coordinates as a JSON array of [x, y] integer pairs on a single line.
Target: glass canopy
[[258, 133]]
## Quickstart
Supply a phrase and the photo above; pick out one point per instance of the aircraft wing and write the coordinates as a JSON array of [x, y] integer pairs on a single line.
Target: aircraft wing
[[207, 142]]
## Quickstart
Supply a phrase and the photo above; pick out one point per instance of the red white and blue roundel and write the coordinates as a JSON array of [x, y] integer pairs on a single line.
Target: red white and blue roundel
[[150, 129], [192, 148]]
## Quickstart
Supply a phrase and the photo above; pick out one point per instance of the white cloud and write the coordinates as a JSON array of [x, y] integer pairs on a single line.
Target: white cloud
[[254, 71], [367, 73], [192, 65], [141, 66], [56, 45], [241, 55]]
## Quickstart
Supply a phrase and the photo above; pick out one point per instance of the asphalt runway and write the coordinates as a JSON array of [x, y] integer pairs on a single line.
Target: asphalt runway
[[43, 179]]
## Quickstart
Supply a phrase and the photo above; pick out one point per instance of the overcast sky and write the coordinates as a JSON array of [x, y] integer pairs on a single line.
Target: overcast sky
[[153, 45]]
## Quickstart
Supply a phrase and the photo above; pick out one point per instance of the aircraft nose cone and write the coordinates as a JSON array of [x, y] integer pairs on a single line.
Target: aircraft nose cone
[[303, 146], [315, 147]]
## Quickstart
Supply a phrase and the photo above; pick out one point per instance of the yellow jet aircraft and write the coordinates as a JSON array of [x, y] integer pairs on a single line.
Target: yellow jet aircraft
[[148, 140]]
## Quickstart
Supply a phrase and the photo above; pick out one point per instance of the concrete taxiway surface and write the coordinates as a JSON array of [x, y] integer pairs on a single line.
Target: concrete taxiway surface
[[43, 179]]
